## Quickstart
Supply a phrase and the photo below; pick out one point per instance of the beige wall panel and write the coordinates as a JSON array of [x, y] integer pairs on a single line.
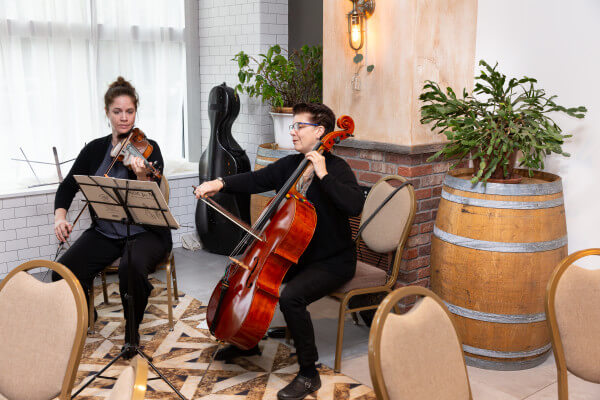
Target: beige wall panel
[[408, 41]]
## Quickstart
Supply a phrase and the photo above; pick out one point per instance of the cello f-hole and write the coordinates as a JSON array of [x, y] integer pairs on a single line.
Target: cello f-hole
[[255, 261]]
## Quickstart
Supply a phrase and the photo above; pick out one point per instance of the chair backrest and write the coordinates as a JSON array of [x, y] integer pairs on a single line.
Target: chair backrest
[[42, 333], [132, 382], [572, 299], [416, 355], [389, 229], [164, 188]]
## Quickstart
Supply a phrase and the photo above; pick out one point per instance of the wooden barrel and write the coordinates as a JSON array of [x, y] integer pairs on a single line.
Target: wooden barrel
[[265, 155], [493, 249]]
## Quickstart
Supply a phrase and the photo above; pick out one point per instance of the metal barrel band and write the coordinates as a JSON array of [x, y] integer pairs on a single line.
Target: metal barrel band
[[506, 354], [501, 247], [263, 162], [536, 189], [274, 153], [512, 205], [498, 318], [506, 365]]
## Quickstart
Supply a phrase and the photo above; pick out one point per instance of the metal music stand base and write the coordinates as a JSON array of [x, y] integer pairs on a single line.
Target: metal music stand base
[[129, 349]]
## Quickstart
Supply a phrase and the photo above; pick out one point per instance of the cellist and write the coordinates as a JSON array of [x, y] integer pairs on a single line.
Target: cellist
[[330, 258], [104, 241]]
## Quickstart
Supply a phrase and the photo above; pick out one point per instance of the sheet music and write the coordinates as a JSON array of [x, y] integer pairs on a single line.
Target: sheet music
[[144, 200]]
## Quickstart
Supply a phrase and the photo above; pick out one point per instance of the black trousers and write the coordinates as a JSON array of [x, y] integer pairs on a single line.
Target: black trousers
[[93, 251], [305, 285]]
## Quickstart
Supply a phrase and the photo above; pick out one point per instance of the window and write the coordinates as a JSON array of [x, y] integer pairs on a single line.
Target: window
[[57, 59]]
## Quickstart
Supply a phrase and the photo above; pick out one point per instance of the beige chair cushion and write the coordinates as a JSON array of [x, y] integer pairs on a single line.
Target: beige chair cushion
[[577, 305], [421, 357], [384, 231], [123, 389], [366, 276], [37, 331]]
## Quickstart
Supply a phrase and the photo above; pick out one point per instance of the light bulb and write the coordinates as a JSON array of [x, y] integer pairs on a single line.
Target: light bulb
[[355, 29], [356, 36]]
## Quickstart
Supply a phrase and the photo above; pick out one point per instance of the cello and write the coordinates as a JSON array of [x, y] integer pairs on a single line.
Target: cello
[[243, 303]]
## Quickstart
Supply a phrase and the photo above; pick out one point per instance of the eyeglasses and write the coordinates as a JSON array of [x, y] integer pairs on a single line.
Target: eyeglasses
[[297, 125]]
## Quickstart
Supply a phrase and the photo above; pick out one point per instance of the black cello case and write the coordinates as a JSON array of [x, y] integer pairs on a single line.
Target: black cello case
[[222, 157]]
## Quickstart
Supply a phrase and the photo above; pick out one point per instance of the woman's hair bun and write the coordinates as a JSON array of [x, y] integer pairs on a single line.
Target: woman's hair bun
[[118, 88], [120, 82]]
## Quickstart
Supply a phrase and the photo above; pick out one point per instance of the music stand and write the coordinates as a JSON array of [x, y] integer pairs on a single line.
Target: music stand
[[130, 202]]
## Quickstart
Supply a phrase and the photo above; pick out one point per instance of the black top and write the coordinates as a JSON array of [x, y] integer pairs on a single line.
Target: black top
[[335, 197], [87, 163]]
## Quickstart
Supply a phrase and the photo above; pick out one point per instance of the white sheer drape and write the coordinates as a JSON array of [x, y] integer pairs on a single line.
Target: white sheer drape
[[57, 58]]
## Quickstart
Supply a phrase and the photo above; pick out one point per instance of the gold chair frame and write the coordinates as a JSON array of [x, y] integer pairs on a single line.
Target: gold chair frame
[[80, 304], [344, 298], [141, 378], [168, 263], [557, 345], [384, 309]]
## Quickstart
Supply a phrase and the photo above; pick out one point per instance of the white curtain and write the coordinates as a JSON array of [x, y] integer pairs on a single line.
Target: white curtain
[[57, 58]]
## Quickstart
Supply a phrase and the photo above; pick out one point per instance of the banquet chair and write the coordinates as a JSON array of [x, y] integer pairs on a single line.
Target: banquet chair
[[384, 234], [421, 347], [573, 318], [132, 381], [42, 333]]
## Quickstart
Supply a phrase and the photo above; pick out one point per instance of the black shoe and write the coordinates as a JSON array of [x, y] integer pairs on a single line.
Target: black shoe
[[128, 351], [277, 332], [299, 388], [230, 352]]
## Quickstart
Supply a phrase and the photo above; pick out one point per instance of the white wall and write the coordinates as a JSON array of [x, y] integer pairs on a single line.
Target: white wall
[[556, 42], [226, 28]]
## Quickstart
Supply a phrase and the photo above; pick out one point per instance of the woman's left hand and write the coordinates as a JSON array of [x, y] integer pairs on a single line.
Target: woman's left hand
[[138, 166], [318, 162]]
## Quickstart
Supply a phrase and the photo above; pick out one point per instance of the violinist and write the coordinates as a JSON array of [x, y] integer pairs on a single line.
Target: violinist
[[103, 242], [330, 258]]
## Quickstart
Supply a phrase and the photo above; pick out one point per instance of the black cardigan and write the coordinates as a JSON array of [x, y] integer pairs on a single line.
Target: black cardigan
[[87, 163], [335, 197]]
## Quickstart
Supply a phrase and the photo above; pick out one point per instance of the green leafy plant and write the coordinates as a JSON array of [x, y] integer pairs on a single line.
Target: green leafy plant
[[507, 116], [282, 78]]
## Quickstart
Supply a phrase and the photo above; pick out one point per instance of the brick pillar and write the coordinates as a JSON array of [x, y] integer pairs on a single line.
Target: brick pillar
[[378, 160]]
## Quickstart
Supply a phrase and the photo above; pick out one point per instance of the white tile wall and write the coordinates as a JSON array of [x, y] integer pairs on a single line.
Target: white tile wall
[[227, 27], [27, 222]]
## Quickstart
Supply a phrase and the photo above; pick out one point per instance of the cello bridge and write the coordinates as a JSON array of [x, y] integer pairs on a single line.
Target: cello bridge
[[239, 263]]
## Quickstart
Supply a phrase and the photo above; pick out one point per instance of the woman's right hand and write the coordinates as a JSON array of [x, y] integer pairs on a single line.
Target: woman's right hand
[[62, 227], [208, 188]]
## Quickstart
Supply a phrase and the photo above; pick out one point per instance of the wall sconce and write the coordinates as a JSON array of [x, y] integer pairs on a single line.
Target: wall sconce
[[361, 9]]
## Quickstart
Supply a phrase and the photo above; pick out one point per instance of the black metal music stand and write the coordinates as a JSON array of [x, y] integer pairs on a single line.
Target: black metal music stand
[[132, 203]]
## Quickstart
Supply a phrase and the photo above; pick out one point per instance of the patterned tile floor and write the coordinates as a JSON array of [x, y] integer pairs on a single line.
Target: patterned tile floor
[[184, 353]]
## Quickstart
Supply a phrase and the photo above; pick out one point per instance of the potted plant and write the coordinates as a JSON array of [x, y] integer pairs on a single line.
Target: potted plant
[[282, 79], [494, 245], [508, 119]]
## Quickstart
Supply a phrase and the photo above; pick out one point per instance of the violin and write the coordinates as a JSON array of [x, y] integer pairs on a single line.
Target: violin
[[136, 144], [242, 304]]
